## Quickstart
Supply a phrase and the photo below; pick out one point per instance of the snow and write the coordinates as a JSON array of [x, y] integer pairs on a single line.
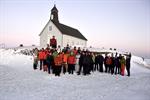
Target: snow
[[18, 81]]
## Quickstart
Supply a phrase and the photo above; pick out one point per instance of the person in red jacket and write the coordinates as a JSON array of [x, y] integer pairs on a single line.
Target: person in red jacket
[[53, 42], [58, 64], [45, 52], [75, 51], [41, 57], [71, 62]]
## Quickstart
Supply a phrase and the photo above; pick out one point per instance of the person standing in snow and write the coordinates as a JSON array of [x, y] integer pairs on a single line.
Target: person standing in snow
[[105, 63], [123, 63], [109, 63], [41, 57], [96, 67], [117, 64], [113, 64], [49, 61], [71, 62], [86, 64], [100, 62], [65, 58], [58, 64], [35, 57], [81, 62], [93, 58], [128, 60], [44, 60]]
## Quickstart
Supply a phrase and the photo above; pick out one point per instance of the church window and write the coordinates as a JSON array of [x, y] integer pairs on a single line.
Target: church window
[[50, 28]]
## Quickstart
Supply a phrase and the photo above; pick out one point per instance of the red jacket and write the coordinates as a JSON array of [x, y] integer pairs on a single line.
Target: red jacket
[[109, 61], [41, 55], [58, 60], [53, 42], [71, 60]]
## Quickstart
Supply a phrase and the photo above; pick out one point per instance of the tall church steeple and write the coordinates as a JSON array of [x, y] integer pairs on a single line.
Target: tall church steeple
[[54, 14]]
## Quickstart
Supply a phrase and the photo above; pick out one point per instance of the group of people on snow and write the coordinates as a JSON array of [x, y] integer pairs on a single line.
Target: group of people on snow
[[84, 62], [54, 60]]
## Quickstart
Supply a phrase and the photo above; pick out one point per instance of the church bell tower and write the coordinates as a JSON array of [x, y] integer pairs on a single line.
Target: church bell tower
[[54, 14]]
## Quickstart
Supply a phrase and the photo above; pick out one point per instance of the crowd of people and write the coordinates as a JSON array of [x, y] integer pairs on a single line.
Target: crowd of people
[[56, 61]]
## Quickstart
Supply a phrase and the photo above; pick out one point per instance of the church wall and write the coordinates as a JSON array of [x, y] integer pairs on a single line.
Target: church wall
[[49, 31], [43, 38], [55, 32], [72, 41]]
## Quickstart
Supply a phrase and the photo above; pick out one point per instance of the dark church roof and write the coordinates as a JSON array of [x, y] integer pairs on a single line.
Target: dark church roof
[[54, 8], [69, 30]]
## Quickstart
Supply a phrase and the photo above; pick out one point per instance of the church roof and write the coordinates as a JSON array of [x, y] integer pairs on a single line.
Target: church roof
[[54, 8], [69, 30]]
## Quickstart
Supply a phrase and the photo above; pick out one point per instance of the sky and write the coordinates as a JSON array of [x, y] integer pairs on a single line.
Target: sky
[[120, 24]]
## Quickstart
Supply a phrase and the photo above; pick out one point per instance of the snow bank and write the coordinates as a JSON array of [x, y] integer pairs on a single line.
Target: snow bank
[[141, 61]]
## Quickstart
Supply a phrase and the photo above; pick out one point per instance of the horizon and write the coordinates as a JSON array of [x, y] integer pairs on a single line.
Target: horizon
[[120, 24]]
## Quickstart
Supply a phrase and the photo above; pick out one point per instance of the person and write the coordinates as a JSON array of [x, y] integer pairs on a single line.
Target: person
[[44, 60], [35, 57], [112, 64], [58, 64], [41, 57], [93, 58], [77, 62], [100, 62], [96, 67], [105, 63], [71, 63], [75, 51], [53, 42], [79, 50], [123, 63], [128, 59], [49, 61], [86, 64], [65, 65], [117, 63], [91, 62], [109, 63], [81, 62], [59, 49]]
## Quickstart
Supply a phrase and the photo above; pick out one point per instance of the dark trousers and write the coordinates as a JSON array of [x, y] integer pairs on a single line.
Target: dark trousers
[[128, 70], [34, 66], [112, 69], [80, 69], [96, 67], [57, 70], [41, 63], [106, 68], [71, 68], [109, 68], [100, 67], [117, 71], [92, 67], [54, 46], [49, 68], [86, 69], [64, 68]]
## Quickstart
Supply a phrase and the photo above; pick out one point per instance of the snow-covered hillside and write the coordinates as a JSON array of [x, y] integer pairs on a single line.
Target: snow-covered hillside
[[18, 81]]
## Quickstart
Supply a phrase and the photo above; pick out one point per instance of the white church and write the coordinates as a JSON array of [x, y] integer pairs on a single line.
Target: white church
[[64, 34]]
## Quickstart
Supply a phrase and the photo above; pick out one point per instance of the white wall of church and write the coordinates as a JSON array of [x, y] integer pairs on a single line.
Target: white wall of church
[[73, 41], [49, 31], [55, 32], [43, 38]]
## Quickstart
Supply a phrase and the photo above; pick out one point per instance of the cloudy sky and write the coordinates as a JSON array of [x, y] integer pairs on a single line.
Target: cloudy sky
[[121, 24]]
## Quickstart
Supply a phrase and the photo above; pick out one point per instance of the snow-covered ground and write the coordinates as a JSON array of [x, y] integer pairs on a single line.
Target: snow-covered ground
[[18, 81]]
